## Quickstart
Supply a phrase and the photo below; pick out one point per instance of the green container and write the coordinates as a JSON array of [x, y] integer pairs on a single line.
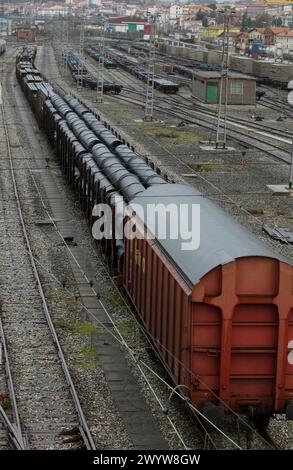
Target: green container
[[132, 27]]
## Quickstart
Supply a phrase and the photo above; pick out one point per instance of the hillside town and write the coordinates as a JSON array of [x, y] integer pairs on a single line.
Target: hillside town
[[146, 262], [262, 22]]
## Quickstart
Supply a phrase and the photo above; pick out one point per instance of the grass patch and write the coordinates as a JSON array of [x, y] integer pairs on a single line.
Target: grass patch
[[177, 137], [85, 329], [113, 298], [127, 328], [65, 300], [61, 323], [118, 110], [203, 166], [89, 359]]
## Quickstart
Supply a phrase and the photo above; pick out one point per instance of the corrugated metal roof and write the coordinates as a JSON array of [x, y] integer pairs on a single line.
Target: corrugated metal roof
[[222, 239]]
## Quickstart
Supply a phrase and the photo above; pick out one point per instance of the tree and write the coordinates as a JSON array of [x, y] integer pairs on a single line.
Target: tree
[[213, 6], [246, 23], [205, 22], [262, 21], [200, 15], [277, 21]]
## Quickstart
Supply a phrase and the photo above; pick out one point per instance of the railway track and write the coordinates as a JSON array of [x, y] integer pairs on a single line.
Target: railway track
[[245, 132], [244, 136], [49, 412]]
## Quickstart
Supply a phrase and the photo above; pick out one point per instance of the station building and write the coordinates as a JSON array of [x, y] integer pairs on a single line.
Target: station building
[[241, 88]]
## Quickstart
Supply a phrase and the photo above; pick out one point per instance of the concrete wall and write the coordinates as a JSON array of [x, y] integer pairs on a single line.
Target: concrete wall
[[199, 88], [241, 64]]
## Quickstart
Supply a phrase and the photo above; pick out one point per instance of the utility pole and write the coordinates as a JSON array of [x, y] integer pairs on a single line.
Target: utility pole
[[221, 136], [100, 77], [149, 100], [81, 51], [67, 38], [290, 101]]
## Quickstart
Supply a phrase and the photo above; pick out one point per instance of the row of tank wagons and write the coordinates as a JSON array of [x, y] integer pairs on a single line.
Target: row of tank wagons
[[95, 54], [140, 72], [96, 161], [101, 168], [2, 46], [265, 71], [27, 55], [81, 75]]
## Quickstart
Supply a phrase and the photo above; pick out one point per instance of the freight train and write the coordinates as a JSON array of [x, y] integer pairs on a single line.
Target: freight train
[[140, 72], [2, 46], [220, 315], [266, 72], [95, 54], [80, 74]]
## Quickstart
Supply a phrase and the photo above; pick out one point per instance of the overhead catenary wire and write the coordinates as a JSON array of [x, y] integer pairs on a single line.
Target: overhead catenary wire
[[86, 432], [60, 235], [121, 337]]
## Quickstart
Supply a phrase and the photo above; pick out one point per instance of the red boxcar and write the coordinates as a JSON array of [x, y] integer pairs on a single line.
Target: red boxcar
[[221, 316]]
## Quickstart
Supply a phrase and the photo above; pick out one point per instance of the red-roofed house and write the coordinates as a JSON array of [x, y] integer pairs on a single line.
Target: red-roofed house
[[270, 35], [257, 34], [130, 24], [285, 39]]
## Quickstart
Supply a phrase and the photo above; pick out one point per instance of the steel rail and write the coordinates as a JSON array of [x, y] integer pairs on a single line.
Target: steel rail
[[88, 440], [14, 428]]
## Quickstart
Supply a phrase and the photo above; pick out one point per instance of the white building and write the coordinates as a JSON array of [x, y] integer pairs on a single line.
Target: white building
[[175, 12], [285, 40]]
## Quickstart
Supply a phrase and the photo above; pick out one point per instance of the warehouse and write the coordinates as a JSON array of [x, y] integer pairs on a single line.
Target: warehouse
[[206, 88]]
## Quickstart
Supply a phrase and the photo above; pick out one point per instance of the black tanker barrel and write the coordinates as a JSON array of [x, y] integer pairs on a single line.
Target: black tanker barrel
[[72, 117], [60, 105], [97, 127], [69, 134], [138, 166], [88, 139], [120, 206], [111, 164], [89, 163], [48, 105], [89, 118], [115, 173], [78, 107], [109, 138], [78, 148], [102, 155], [125, 153], [149, 177], [104, 182], [130, 186], [101, 148], [57, 117], [155, 179], [78, 126]]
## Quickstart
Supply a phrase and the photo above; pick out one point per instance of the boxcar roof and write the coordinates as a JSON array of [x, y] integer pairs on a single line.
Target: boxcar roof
[[222, 239]]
